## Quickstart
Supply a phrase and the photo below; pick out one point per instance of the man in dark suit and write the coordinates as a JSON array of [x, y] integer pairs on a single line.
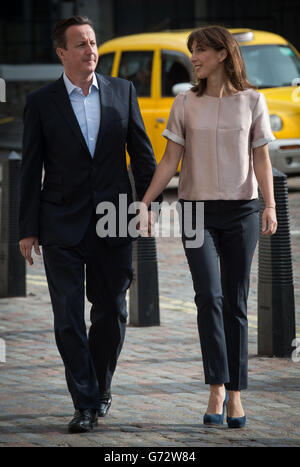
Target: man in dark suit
[[77, 129]]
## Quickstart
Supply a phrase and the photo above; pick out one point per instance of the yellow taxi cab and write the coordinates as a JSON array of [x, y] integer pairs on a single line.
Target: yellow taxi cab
[[159, 66]]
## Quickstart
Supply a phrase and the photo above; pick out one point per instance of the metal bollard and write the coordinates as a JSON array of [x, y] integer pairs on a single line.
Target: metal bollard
[[143, 292], [276, 305], [12, 264]]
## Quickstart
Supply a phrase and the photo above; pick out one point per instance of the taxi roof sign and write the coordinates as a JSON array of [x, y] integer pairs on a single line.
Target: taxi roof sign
[[244, 36]]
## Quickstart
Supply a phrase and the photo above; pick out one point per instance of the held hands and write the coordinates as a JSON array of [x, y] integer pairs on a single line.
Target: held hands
[[147, 221], [146, 227], [26, 245], [269, 221]]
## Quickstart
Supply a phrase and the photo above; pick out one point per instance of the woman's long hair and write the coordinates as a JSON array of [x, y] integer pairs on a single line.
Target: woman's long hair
[[218, 38]]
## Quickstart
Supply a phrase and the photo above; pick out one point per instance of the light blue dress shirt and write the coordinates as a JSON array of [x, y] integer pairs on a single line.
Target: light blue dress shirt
[[86, 109]]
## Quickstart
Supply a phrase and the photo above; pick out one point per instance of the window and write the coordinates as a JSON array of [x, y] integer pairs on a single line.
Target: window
[[175, 68], [105, 64], [270, 66], [137, 67], [25, 30]]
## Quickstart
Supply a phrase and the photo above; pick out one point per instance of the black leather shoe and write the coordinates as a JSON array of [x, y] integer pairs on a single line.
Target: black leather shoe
[[105, 403], [84, 420]]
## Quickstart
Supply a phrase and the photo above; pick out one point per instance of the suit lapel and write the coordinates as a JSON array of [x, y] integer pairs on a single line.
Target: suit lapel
[[62, 100], [106, 98]]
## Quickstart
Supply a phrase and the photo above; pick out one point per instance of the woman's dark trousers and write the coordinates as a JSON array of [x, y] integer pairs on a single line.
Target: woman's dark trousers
[[220, 271]]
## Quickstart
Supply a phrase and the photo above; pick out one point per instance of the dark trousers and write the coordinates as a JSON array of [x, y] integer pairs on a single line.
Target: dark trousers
[[221, 271], [90, 361]]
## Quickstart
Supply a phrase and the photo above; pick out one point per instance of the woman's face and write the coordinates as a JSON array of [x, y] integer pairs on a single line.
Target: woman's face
[[206, 60]]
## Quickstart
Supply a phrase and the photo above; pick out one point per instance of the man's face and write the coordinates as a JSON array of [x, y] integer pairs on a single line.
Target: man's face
[[81, 54]]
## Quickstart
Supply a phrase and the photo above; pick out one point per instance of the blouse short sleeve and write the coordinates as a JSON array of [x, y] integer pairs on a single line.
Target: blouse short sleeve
[[175, 130], [261, 127]]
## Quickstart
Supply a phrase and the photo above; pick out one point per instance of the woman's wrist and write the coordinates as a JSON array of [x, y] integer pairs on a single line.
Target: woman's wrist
[[270, 203]]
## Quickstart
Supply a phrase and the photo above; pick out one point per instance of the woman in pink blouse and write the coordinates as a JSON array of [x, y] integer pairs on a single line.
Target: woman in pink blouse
[[220, 131]]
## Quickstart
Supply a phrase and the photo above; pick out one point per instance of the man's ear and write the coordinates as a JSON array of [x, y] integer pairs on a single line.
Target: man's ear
[[60, 53]]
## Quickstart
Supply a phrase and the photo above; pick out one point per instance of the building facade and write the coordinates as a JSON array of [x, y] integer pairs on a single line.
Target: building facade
[[27, 58]]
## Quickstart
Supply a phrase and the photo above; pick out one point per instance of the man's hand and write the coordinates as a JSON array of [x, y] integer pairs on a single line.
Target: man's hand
[[26, 245]]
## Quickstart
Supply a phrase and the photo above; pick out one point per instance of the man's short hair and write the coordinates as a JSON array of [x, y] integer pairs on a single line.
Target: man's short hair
[[59, 32]]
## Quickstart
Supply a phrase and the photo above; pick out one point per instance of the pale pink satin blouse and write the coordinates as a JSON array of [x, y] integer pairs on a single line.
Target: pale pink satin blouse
[[218, 136]]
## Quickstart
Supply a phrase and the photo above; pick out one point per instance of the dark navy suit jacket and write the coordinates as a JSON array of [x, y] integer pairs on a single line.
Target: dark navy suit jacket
[[58, 210]]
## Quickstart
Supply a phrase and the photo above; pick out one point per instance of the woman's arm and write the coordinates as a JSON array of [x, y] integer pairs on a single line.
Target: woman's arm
[[164, 172], [263, 172]]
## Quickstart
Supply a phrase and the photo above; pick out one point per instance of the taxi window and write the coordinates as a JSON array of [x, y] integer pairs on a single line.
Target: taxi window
[[175, 68], [105, 64], [270, 66], [137, 67]]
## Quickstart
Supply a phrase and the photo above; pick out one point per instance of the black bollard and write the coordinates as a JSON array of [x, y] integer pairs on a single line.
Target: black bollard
[[276, 305], [143, 292], [12, 263]]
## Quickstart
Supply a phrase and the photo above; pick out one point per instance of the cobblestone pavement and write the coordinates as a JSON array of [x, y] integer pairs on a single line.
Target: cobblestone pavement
[[159, 395]]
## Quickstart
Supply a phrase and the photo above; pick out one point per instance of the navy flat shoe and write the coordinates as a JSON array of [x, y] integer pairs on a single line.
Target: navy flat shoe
[[236, 422], [216, 419]]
